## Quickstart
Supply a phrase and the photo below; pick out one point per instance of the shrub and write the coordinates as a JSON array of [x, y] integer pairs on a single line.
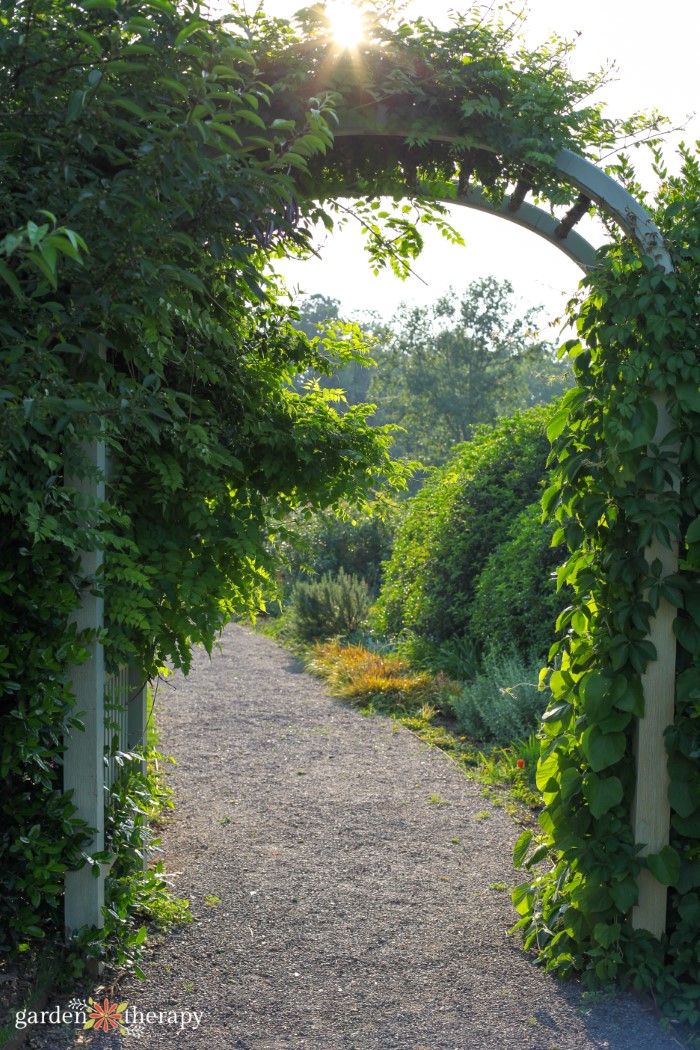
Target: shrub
[[516, 596], [452, 526], [333, 605], [503, 703]]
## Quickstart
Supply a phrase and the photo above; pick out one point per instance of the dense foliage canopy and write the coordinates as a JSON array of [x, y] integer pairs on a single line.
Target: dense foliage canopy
[[465, 360]]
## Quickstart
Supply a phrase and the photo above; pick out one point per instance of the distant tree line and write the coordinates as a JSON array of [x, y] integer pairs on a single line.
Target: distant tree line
[[443, 370]]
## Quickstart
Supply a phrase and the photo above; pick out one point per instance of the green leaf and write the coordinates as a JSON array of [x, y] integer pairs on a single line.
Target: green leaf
[[602, 793], [175, 85], [190, 280], [688, 827], [689, 395], [683, 797], [570, 783], [625, 894], [10, 279], [687, 633], [224, 129], [292, 160], [629, 695], [665, 866], [693, 533], [130, 106], [547, 769], [689, 909], [605, 933], [521, 847], [688, 685], [92, 42], [251, 116], [549, 500], [642, 427], [537, 855], [596, 690], [523, 897], [689, 878], [42, 265], [603, 749], [34, 931], [35, 233], [187, 32], [75, 106]]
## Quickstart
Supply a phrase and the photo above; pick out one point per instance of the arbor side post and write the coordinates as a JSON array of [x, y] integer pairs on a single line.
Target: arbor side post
[[137, 713], [651, 811], [83, 764], [137, 728]]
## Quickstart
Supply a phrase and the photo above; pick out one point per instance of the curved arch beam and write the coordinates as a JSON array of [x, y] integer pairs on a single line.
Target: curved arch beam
[[535, 219], [575, 171], [614, 199], [530, 217]]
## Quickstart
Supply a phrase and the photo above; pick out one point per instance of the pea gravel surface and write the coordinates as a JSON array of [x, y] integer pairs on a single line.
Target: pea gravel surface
[[348, 886]]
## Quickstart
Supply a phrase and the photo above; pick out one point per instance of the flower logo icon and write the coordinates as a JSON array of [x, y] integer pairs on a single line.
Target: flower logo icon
[[105, 1016]]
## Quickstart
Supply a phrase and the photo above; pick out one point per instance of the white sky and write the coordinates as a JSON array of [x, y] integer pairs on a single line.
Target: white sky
[[655, 47]]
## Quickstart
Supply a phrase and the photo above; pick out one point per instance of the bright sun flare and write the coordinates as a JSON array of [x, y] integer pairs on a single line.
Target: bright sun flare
[[346, 23]]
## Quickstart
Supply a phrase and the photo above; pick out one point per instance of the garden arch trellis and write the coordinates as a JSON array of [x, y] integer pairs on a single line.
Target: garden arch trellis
[[411, 123], [651, 815]]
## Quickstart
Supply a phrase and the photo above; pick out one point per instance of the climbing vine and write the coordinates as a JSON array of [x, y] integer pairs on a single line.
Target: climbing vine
[[616, 488]]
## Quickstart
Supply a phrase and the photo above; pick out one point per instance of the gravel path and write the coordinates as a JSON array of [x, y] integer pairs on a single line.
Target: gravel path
[[343, 879]]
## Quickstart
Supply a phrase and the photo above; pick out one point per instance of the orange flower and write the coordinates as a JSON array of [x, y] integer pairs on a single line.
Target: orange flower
[[107, 1016], [521, 763]]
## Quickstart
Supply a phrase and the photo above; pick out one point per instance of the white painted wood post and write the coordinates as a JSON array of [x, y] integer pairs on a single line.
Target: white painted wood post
[[651, 811], [137, 715], [137, 728], [84, 766]]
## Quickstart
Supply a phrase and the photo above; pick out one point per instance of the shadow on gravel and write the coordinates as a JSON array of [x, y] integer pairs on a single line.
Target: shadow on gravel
[[294, 665]]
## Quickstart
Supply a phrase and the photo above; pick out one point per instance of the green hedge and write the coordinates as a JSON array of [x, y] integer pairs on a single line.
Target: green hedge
[[454, 524], [516, 594]]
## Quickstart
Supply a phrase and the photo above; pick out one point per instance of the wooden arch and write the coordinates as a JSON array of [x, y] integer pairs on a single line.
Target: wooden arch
[[650, 808]]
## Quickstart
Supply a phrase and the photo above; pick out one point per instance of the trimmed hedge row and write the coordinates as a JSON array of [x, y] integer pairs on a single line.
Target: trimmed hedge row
[[471, 556]]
